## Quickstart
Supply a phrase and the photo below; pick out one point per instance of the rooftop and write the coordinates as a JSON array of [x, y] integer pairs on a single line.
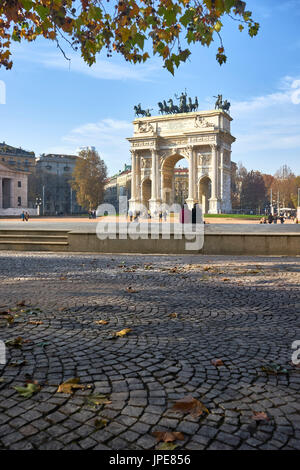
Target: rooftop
[[10, 150]]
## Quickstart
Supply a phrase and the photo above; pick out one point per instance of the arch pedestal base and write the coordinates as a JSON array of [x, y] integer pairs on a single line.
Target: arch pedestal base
[[214, 206]]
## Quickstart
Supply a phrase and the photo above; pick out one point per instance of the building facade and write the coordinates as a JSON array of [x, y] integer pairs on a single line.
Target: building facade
[[13, 191], [17, 158], [118, 185], [53, 176], [159, 142]]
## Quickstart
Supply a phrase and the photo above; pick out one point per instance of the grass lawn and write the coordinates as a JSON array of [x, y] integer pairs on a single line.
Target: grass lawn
[[234, 216]]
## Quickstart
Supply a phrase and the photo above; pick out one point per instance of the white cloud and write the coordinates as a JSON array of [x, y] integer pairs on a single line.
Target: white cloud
[[113, 69], [108, 136], [289, 94], [267, 128]]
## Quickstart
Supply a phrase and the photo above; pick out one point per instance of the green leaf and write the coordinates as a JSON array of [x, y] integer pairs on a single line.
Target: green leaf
[[27, 4], [42, 11], [228, 4], [169, 66], [139, 39], [187, 17], [15, 37], [190, 36], [95, 13]]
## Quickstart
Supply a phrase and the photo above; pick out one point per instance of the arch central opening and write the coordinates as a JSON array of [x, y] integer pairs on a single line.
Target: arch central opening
[[175, 179]]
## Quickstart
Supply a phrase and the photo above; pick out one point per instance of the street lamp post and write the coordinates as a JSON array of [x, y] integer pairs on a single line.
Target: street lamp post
[[38, 202], [271, 206]]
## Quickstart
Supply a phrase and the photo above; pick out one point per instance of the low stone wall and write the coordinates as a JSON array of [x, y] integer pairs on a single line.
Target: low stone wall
[[214, 244], [31, 238], [17, 211]]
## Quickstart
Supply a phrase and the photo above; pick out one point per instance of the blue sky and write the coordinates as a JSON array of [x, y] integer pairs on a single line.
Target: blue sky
[[53, 107]]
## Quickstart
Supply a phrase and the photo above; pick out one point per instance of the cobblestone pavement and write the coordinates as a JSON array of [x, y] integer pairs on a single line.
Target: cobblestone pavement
[[244, 311]]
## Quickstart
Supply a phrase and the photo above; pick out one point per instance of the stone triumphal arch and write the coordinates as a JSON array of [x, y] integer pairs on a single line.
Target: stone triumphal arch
[[159, 142]]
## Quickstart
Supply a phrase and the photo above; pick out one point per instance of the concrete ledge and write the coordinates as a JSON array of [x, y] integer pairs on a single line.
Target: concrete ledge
[[214, 244]]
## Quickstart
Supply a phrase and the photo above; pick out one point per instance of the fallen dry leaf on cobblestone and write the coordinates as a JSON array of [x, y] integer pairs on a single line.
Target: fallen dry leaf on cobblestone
[[173, 315], [33, 322], [70, 386], [101, 423], [168, 436], [131, 290], [273, 369], [260, 416], [15, 343], [5, 312], [29, 390], [167, 446], [190, 405], [101, 322], [99, 399], [18, 363], [123, 332], [207, 268], [217, 362]]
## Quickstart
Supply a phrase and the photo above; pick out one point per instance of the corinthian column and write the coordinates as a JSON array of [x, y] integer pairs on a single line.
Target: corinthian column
[[221, 173], [133, 200], [138, 177], [214, 202], [191, 197], [133, 175], [154, 201], [154, 175]]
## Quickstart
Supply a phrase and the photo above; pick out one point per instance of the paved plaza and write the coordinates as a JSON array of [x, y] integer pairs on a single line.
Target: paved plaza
[[184, 313]]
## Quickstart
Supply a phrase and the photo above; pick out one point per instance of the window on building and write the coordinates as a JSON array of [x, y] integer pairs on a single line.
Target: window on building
[[19, 184], [19, 201]]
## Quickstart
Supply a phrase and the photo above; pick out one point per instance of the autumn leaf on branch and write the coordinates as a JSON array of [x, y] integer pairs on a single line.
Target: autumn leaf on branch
[[136, 30]]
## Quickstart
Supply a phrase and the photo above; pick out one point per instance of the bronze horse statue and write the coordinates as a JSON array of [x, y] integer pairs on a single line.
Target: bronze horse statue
[[142, 112]]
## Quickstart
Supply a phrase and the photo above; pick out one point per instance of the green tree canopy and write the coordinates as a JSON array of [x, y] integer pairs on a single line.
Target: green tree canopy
[[88, 179], [133, 28]]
